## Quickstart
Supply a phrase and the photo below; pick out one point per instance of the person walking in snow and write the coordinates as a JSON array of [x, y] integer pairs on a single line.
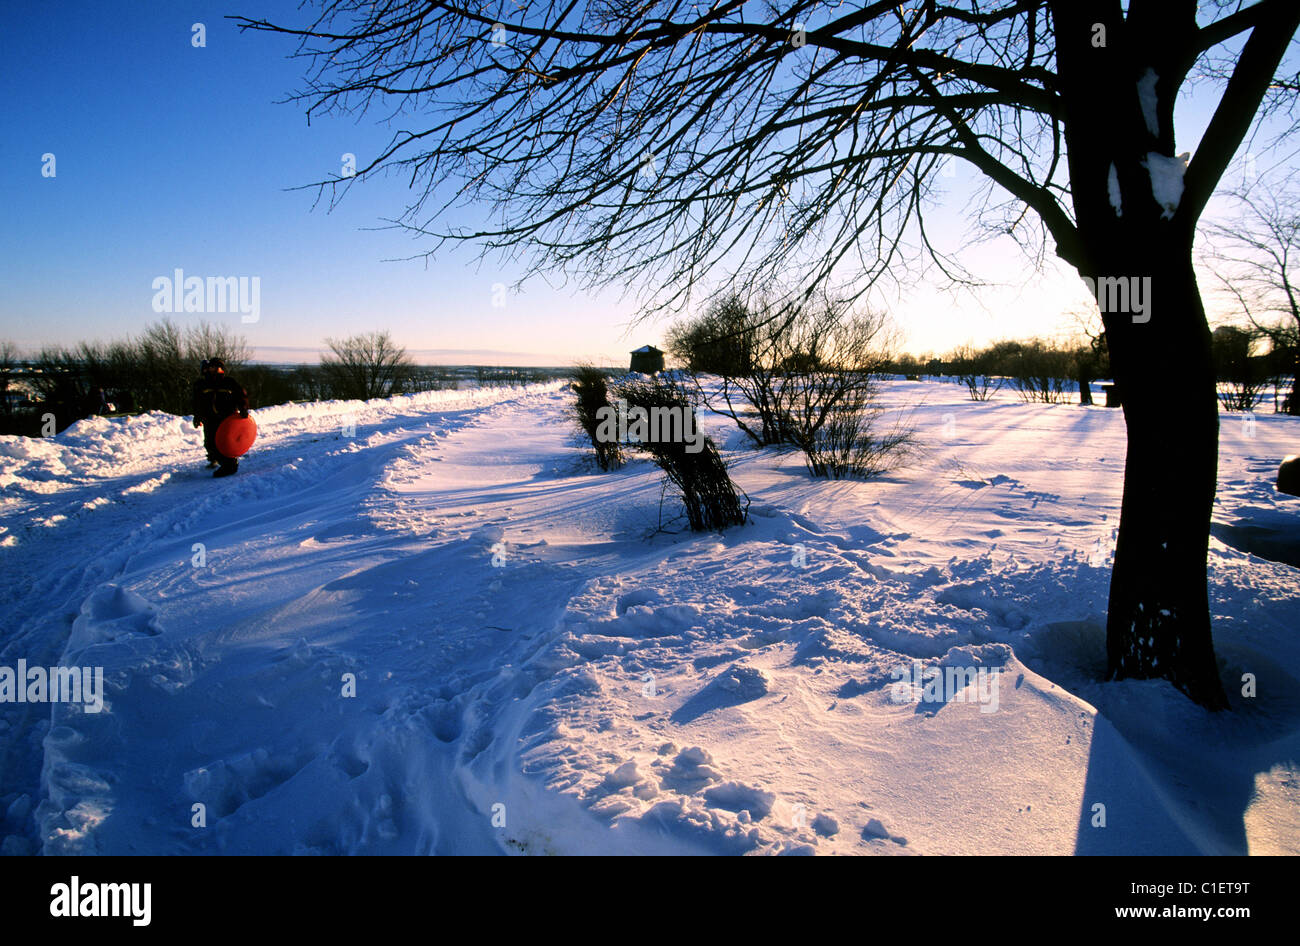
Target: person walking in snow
[[216, 397], [96, 402], [197, 386]]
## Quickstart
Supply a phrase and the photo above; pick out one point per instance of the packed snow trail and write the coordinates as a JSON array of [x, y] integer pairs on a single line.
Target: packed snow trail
[[80, 509], [539, 668]]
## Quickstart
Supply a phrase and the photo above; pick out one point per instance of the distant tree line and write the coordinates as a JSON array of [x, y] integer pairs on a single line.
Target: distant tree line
[[1036, 370], [154, 371], [1050, 372], [486, 376]]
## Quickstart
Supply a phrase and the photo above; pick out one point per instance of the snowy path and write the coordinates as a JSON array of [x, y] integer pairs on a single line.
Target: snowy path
[[80, 535], [539, 669]]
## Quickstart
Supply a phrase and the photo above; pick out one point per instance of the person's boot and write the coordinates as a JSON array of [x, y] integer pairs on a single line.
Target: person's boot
[[213, 463], [226, 470]]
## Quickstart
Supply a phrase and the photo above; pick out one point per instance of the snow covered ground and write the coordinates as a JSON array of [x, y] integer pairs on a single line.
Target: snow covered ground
[[540, 668]]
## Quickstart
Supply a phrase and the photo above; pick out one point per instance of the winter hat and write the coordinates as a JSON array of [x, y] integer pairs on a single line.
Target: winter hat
[[216, 363]]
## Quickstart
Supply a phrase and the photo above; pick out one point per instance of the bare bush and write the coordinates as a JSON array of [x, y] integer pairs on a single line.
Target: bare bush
[[720, 342], [1038, 372], [364, 366], [591, 387], [213, 340], [803, 374], [850, 444], [829, 408], [747, 347], [1242, 376], [974, 369], [701, 477]]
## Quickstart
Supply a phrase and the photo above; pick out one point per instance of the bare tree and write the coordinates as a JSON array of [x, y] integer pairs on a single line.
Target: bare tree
[[1256, 258], [364, 366], [744, 348], [208, 340], [163, 362], [1091, 357], [975, 370], [656, 142], [828, 396], [720, 341], [1242, 376], [1038, 372]]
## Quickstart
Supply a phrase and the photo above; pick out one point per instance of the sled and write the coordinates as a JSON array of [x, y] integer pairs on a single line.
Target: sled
[[235, 435]]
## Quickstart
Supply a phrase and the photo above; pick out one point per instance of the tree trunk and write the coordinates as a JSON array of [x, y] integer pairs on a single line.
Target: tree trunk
[[1159, 620], [1292, 402], [1085, 389]]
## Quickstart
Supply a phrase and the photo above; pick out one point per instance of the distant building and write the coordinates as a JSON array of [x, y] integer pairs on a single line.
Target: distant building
[[647, 359]]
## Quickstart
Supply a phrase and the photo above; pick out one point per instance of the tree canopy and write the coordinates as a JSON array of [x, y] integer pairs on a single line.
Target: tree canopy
[[658, 143]]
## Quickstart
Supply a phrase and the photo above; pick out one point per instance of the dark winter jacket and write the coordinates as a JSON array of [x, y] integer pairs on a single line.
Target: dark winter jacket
[[217, 398]]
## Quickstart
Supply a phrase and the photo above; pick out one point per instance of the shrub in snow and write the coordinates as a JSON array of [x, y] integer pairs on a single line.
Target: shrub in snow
[[745, 347], [804, 374], [849, 443], [1039, 372], [1241, 376], [693, 466], [592, 394], [829, 405], [974, 369]]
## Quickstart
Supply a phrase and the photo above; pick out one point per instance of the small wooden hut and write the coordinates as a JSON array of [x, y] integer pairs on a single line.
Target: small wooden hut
[[647, 360]]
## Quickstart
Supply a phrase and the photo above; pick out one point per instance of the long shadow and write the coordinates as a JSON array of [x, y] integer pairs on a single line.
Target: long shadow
[[1173, 779], [1275, 544]]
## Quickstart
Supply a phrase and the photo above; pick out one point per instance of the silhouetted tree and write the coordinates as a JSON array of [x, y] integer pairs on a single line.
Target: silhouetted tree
[[975, 370], [8, 362], [707, 492], [1256, 258], [661, 141], [364, 366]]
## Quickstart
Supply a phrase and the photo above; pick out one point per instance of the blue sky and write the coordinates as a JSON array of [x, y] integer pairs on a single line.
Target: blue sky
[[170, 156]]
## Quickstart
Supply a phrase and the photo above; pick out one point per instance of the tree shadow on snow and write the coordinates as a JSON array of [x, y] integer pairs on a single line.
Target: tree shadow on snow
[[1166, 777]]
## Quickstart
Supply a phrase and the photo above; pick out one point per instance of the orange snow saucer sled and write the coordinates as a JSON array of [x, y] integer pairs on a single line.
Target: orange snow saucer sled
[[235, 435]]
